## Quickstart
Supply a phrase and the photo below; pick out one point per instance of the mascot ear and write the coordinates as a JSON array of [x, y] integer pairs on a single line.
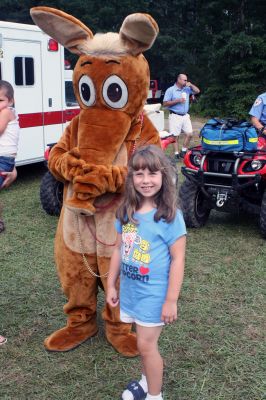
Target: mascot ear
[[64, 28], [138, 32]]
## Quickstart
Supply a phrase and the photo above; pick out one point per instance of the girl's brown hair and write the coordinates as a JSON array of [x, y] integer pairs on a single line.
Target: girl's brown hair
[[153, 158], [7, 87]]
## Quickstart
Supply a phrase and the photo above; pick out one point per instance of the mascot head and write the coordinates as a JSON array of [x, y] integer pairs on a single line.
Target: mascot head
[[111, 73]]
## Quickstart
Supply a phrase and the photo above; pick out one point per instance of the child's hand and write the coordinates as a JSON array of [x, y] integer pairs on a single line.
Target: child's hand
[[112, 297], [169, 312], [9, 178]]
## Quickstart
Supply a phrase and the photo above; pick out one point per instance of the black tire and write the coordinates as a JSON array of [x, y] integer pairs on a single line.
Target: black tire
[[263, 216], [51, 194], [194, 205]]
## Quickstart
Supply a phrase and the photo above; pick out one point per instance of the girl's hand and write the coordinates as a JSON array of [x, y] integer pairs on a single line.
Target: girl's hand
[[112, 297], [169, 312]]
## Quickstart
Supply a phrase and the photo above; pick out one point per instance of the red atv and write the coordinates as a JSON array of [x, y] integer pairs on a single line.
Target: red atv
[[226, 181]]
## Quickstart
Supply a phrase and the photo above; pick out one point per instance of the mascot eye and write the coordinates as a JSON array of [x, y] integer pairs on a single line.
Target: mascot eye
[[115, 92], [87, 91]]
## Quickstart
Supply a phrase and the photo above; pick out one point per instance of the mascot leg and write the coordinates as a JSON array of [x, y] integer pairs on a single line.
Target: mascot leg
[[80, 287], [118, 334]]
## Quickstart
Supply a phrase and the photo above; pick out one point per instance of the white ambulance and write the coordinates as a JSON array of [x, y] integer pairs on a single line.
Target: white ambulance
[[34, 64]]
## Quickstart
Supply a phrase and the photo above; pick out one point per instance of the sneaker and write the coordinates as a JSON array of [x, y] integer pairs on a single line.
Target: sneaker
[[183, 153], [177, 156]]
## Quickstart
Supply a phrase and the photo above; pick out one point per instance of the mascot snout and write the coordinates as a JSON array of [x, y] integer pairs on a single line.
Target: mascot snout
[[99, 137]]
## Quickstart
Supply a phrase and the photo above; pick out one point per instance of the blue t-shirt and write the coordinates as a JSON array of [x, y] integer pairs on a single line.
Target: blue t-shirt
[[258, 109], [146, 263], [173, 93]]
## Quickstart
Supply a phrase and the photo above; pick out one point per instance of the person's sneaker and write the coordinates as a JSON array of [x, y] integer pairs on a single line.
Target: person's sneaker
[[177, 156], [183, 153]]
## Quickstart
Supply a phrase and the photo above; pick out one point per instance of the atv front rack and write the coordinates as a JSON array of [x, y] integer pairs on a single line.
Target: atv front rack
[[224, 180]]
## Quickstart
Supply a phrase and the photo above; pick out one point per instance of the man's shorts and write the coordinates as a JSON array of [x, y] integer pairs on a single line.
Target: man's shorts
[[180, 123], [124, 317]]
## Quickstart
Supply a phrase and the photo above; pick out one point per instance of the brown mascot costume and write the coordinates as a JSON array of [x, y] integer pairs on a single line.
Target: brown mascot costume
[[111, 81]]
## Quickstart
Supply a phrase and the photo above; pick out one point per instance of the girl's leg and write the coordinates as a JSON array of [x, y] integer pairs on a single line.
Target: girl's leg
[[152, 363]]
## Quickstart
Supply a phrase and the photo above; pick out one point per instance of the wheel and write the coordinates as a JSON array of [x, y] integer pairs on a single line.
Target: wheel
[[51, 194], [263, 216], [194, 205]]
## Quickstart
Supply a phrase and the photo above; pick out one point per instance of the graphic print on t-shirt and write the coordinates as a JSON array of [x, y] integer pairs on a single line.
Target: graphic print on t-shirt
[[135, 249]]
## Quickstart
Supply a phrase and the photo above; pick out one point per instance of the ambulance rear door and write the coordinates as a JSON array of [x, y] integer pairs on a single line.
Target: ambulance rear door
[[21, 66]]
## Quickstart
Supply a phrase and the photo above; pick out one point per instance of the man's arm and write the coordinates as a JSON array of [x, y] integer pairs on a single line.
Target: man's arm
[[167, 100], [173, 102], [193, 87], [256, 112], [258, 125]]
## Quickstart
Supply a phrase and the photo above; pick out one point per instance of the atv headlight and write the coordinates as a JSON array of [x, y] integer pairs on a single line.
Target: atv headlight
[[256, 165], [196, 159]]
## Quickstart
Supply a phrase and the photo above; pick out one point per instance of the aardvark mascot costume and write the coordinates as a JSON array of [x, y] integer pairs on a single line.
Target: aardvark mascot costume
[[111, 81]]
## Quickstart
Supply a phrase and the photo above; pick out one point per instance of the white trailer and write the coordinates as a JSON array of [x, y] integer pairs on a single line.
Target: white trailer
[[34, 64]]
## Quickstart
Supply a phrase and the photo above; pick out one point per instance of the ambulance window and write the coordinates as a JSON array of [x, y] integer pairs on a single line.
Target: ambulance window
[[29, 68], [18, 71], [70, 96], [24, 71]]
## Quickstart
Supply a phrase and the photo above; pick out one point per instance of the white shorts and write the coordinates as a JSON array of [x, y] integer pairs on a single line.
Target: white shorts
[[180, 123], [124, 317]]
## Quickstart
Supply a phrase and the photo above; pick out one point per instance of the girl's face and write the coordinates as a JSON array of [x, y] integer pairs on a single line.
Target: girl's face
[[4, 101], [146, 182]]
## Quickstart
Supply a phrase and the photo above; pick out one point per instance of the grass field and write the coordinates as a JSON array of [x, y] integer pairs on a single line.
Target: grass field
[[214, 351]]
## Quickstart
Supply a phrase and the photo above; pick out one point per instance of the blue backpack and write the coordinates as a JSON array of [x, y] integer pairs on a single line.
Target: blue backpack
[[228, 135]]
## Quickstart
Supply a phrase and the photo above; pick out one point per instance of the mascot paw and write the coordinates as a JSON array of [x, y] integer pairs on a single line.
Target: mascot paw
[[84, 207], [124, 344], [68, 338]]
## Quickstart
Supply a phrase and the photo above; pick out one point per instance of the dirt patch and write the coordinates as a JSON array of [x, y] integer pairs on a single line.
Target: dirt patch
[[197, 124]]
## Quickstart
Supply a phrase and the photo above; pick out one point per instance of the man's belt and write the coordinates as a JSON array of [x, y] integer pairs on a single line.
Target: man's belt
[[172, 112]]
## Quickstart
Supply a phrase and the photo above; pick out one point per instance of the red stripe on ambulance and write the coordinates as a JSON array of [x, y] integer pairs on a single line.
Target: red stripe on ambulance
[[47, 118]]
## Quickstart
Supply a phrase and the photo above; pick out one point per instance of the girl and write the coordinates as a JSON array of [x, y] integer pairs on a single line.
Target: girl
[[9, 133], [149, 255]]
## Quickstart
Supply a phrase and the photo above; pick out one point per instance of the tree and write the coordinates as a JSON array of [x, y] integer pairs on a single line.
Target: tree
[[220, 44]]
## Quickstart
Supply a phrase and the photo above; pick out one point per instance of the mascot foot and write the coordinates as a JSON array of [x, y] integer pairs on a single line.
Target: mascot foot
[[83, 207], [124, 343], [68, 338]]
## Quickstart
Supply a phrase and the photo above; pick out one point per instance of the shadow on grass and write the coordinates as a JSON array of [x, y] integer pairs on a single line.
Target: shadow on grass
[[30, 172]]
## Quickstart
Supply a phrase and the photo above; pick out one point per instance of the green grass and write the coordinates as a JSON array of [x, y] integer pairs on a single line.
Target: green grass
[[214, 352]]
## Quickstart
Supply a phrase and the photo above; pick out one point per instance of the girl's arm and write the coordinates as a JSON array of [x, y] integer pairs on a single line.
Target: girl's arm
[[177, 251], [114, 269], [6, 116]]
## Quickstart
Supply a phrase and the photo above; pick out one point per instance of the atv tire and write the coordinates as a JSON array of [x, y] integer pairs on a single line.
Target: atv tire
[[263, 216], [194, 205], [51, 194]]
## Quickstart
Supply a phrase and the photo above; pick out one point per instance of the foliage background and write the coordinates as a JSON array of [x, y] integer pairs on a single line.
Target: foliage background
[[220, 44]]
